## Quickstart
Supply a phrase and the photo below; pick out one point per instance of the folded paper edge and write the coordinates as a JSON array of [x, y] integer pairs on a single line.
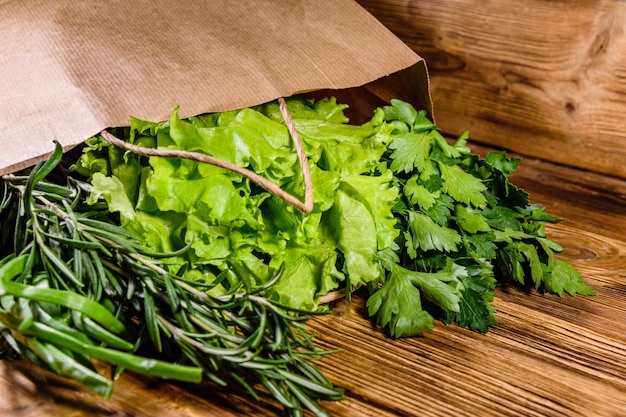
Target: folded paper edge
[[410, 84]]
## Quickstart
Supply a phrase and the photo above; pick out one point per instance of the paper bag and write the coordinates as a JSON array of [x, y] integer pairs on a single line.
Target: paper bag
[[72, 68]]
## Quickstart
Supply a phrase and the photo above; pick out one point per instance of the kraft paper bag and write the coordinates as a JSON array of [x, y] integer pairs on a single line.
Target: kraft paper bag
[[69, 69]]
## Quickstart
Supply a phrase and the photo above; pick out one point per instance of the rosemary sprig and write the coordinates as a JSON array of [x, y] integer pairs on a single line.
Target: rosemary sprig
[[77, 287]]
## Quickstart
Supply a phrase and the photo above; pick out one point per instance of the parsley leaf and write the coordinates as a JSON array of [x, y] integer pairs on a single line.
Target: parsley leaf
[[410, 152], [418, 194], [470, 220], [403, 112], [499, 161], [475, 311], [564, 277], [427, 235], [398, 305], [462, 186]]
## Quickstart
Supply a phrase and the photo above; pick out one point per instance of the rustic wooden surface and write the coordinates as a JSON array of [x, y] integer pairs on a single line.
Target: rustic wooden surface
[[549, 356], [555, 69]]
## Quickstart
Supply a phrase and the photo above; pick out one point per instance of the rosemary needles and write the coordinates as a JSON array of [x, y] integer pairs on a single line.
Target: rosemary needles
[[75, 287]]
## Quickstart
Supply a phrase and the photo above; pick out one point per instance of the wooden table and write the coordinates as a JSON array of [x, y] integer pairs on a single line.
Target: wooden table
[[549, 356]]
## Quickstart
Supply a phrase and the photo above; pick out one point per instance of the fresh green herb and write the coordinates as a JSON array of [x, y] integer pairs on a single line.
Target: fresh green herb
[[77, 287], [430, 228], [148, 248]]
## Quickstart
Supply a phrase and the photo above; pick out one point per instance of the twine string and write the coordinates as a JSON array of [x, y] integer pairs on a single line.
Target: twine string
[[305, 206]]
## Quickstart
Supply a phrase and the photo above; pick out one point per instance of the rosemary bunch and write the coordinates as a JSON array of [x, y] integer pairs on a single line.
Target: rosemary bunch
[[74, 287]]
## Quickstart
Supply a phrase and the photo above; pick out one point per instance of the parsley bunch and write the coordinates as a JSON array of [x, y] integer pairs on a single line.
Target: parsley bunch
[[465, 229]]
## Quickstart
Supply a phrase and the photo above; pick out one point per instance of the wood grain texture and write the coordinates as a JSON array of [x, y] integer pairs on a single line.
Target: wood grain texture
[[543, 78], [549, 356]]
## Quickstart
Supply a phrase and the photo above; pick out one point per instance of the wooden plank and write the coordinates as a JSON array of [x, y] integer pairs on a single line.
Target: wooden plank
[[543, 78], [549, 356]]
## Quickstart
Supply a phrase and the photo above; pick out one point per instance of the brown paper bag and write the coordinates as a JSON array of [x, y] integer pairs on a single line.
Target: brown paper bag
[[72, 68]]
